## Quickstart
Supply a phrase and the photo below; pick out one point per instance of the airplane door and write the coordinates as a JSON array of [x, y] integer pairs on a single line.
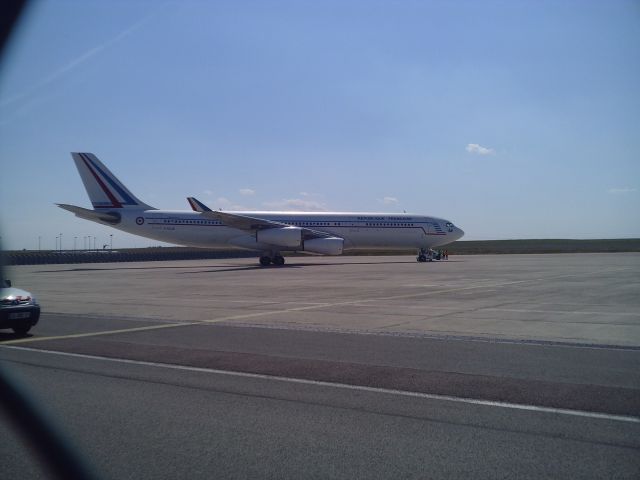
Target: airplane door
[[425, 237]]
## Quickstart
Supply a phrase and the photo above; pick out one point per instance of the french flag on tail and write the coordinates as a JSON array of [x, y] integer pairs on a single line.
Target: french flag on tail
[[197, 205], [103, 188]]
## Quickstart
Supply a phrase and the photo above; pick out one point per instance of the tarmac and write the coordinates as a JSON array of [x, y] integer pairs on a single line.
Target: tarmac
[[576, 298], [352, 367]]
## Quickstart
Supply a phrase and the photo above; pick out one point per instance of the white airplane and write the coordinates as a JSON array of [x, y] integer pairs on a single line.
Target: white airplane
[[268, 232]]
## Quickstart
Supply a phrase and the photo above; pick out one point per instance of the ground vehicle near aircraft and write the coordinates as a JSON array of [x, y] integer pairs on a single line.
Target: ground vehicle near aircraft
[[19, 310], [326, 233]]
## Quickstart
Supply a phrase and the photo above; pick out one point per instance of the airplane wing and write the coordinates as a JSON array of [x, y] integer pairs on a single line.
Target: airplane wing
[[249, 224]]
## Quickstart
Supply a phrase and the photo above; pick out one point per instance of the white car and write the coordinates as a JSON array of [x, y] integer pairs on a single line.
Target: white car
[[19, 310]]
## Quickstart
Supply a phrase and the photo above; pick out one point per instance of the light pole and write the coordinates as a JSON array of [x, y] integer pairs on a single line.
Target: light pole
[[60, 243], [111, 241], [39, 239]]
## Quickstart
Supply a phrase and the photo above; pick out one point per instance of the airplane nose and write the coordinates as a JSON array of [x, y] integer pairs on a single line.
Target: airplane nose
[[459, 233]]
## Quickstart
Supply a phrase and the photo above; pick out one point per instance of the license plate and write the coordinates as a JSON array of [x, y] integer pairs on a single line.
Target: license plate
[[15, 316]]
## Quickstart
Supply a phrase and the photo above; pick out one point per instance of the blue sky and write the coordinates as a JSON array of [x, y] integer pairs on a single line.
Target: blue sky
[[512, 119]]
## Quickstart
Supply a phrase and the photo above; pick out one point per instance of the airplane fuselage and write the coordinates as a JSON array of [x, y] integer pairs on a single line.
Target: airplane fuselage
[[359, 230]]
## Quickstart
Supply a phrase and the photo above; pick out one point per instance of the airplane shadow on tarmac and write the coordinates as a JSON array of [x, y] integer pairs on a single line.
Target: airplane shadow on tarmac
[[232, 268], [95, 269], [290, 265], [300, 265]]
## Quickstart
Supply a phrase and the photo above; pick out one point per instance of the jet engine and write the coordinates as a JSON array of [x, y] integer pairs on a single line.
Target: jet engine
[[325, 246], [282, 237]]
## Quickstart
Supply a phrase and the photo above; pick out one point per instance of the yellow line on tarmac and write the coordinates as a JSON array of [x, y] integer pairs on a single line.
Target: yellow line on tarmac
[[94, 334], [157, 327]]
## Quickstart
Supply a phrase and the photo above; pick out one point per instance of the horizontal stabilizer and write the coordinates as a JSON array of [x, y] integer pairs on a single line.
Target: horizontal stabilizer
[[111, 218]]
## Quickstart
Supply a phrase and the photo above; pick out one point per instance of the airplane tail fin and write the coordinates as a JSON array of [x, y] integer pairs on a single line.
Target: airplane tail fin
[[197, 205], [103, 188]]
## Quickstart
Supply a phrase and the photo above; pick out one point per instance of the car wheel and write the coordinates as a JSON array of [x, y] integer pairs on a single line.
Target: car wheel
[[21, 329]]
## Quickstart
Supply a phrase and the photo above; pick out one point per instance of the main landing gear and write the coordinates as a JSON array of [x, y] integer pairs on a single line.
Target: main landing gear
[[266, 260]]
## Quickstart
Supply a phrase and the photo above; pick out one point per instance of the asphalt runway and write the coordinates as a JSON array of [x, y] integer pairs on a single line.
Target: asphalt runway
[[348, 367]]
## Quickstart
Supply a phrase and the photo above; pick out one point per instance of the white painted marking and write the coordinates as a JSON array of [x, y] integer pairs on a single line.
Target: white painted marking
[[386, 391]]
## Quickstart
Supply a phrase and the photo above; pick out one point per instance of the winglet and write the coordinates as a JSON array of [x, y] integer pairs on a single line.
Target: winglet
[[197, 205]]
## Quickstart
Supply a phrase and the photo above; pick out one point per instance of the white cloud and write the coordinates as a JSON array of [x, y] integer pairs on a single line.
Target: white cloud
[[297, 204], [247, 191], [225, 204], [310, 194], [621, 190], [208, 192], [390, 201], [479, 149]]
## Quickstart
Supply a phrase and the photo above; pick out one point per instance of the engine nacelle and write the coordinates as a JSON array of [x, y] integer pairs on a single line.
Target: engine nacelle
[[325, 246], [282, 237]]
